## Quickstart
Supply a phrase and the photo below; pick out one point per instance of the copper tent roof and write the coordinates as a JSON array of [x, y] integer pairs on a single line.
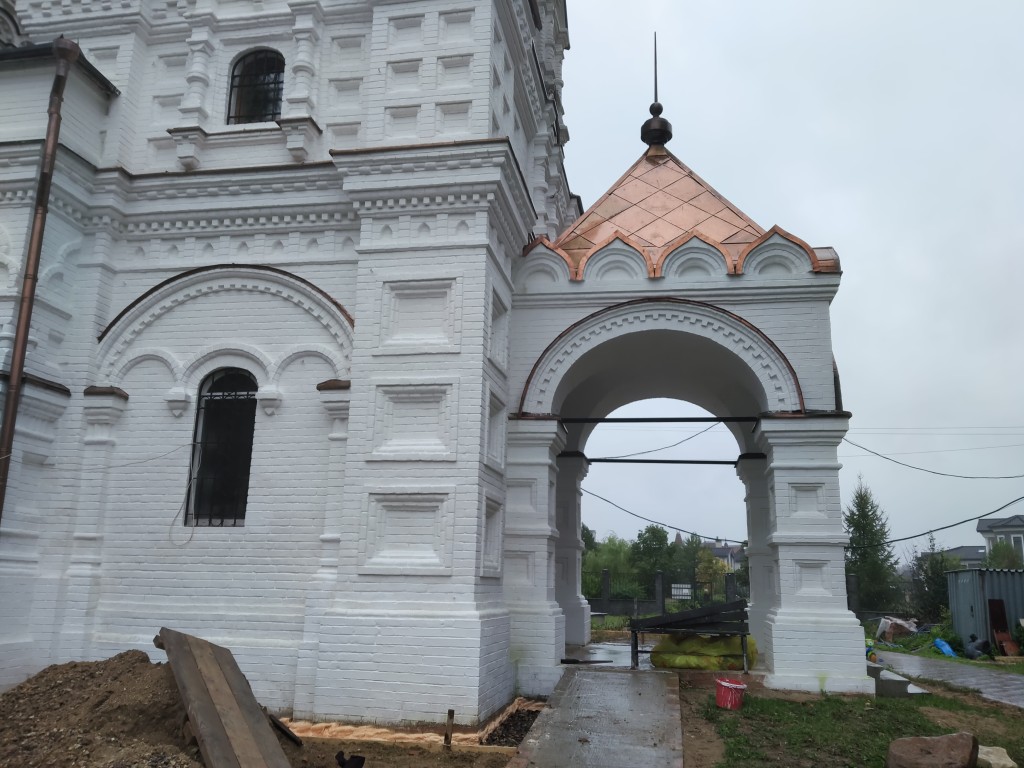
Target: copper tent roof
[[658, 204]]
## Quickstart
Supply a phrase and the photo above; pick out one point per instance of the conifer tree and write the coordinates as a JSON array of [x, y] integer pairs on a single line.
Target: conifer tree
[[869, 555]]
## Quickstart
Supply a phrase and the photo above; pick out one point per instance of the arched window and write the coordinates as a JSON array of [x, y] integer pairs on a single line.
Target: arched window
[[222, 449], [256, 85]]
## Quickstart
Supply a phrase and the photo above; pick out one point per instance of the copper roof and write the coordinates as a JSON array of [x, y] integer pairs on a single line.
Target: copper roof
[[659, 202], [657, 206]]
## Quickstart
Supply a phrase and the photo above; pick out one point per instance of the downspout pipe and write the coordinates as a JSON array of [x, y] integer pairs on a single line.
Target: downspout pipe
[[66, 53]]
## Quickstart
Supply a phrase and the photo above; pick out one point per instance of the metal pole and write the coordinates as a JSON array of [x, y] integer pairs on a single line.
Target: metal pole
[[66, 53]]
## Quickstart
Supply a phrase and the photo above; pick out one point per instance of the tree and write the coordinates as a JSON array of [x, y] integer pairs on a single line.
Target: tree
[[650, 553], [929, 590], [589, 538], [612, 554], [1003, 555], [710, 575], [869, 555], [687, 558]]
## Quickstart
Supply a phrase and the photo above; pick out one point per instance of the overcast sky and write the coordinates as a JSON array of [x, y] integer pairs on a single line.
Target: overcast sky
[[890, 131]]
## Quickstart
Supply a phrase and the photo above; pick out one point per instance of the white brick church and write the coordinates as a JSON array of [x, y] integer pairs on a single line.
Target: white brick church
[[314, 299]]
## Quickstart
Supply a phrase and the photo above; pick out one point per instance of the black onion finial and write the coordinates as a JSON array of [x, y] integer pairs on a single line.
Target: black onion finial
[[657, 131]]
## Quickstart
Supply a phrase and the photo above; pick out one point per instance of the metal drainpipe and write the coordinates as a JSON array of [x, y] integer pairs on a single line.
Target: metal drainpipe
[[66, 52]]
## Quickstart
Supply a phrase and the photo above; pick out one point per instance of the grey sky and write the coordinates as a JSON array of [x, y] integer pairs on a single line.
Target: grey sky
[[891, 131]]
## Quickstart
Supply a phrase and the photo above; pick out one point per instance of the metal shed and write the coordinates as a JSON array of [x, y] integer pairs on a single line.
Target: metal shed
[[969, 595]]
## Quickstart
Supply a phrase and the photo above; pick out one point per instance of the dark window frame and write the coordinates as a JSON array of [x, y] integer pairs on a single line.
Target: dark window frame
[[218, 488], [257, 87]]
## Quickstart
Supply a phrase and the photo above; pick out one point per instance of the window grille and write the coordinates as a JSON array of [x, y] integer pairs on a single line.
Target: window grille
[[257, 82], [222, 449]]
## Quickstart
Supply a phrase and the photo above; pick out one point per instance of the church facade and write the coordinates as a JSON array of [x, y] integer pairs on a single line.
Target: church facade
[[314, 309]]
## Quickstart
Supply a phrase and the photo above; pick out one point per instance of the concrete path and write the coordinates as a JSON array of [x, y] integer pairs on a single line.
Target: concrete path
[[607, 718], [1005, 687]]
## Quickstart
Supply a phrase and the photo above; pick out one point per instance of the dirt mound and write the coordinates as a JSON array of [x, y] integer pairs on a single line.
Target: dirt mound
[[125, 712], [122, 712]]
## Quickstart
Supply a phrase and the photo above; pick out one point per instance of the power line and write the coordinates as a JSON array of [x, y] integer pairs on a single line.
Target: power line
[[932, 471], [941, 528], [665, 448], [939, 450], [656, 522]]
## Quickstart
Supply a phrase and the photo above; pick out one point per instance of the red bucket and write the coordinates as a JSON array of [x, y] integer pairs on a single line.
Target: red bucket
[[729, 693]]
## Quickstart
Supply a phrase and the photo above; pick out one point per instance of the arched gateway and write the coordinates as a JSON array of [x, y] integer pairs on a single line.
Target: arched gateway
[[665, 289], [406, 539]]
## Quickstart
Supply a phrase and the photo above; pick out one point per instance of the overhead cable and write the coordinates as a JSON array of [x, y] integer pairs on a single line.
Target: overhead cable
[[656, 522], [940, 528], [932, 471], [665, 448]]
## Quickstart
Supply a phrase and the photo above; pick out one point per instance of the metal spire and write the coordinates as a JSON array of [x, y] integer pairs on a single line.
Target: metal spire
[[657, 131]]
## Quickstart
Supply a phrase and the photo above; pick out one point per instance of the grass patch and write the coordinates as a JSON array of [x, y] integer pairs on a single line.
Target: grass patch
[[844, 730], [609, 622]]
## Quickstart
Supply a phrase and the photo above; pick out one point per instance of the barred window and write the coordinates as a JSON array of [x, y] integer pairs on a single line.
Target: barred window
[[222, 449], [257, 82]]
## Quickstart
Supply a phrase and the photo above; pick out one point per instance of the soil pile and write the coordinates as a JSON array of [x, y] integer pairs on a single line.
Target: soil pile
[[123, 712]]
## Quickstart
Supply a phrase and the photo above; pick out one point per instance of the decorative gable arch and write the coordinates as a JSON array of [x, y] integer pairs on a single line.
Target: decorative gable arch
[[614, 260], [118, 353], [778, 379], [777, 251], [691, 254]]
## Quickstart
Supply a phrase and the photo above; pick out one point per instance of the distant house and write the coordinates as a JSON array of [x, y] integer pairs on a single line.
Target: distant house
[[969, 557], [1008, 529], [732, 555]]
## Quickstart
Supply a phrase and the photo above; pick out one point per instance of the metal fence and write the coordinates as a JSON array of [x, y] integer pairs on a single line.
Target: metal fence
[[623, 594]]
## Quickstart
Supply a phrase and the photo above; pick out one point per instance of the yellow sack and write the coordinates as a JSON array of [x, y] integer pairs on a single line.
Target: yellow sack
[[703, 652]]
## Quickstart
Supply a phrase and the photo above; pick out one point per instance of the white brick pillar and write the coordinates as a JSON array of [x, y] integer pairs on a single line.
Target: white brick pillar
[[814, 642], [537, 640], [569, 550], [201, 46], [761, 562], [301, 95], [335, 398], [102, 410]]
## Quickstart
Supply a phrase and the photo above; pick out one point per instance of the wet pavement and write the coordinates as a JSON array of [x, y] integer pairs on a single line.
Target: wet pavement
[[1005, 687], [608, 655], [607, 717]]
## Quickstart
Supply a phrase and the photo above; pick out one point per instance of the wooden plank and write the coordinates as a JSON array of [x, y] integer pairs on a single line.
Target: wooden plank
[[214, 745], [258, 725], [239, 729], [279, 726], [691, 615], [708, 629], [725, 618]]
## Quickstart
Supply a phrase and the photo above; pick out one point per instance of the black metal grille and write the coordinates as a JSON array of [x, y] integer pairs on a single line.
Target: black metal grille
[[257, 82], [222, 449]]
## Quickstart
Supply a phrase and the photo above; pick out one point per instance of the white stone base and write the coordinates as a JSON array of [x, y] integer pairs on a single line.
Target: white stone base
[[819, 651], [403, 669], [577, 621], [534, 680], [537, 647], [831, 684]]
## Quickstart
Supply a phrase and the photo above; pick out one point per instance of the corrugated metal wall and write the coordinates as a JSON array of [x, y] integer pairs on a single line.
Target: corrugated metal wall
[[969, 593]]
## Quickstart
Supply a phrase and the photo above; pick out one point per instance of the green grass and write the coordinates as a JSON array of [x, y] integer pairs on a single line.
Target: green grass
[[609, 622], [840, 730]]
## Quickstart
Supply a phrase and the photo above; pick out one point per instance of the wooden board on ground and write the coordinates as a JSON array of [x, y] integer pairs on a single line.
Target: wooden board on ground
[[229, 725]]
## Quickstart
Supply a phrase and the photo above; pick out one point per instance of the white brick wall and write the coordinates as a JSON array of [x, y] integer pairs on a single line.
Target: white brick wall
[[375, 245]]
